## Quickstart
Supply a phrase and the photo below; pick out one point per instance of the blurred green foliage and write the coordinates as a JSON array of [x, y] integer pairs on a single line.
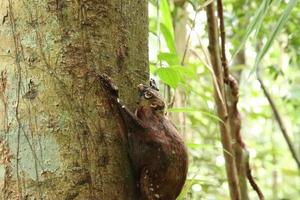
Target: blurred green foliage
[[259, 33]]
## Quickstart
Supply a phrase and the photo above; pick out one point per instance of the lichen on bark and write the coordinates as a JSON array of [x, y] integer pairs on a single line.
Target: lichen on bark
[[66, 141]]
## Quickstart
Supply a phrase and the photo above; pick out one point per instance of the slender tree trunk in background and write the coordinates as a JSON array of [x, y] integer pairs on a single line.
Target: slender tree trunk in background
[[60, 138], [241, 155], [239, 60], [180, 21], [274, 171], [226, 139]]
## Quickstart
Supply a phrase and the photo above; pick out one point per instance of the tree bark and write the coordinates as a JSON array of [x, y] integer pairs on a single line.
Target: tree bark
[[62, 139], [214, 49]]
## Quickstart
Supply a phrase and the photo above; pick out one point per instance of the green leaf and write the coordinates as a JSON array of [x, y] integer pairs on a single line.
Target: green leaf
[[202, 111], [195, 145], [255, 24], [290, 172], [174, 74], [264, 9], [187, 187], [165, 25], [170, 58], [168, 37], [152, 68], [185, 72], [169, 76], [278, 27], [166, 17]]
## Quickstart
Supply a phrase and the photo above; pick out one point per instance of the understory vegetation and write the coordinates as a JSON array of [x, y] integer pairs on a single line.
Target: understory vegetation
[[263, 55]]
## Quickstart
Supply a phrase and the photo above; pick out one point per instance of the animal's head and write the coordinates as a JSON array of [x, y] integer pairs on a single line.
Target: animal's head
[[150, 97]]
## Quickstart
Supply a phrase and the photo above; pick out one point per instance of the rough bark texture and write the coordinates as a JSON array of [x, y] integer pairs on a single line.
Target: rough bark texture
[[226, 139], [241, 154], [232, 97], [61, 138]]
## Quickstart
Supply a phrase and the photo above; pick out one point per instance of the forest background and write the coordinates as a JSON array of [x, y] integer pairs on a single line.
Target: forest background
[[52, 106], [261, 36]]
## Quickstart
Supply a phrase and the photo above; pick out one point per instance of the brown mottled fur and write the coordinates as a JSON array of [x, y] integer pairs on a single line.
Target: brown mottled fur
[[157, 152]]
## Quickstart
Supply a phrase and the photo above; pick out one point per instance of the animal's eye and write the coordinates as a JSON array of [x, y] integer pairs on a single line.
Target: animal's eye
[[148, 95]]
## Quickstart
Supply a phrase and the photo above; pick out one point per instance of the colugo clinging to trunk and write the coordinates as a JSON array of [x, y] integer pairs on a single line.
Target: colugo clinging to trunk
[[156, 150]]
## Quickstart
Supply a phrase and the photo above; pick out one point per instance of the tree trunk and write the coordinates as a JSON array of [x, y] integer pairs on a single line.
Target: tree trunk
[[220, 99], [180, 21], [61, 139]]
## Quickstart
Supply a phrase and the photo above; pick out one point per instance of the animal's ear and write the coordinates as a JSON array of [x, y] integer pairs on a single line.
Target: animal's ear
[[153, 84]]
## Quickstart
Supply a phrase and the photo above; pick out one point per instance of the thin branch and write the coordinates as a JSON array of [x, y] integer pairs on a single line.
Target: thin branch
[[214, 49], [234, 116], [223, 40], [205, 4], [208, 65], [188, 39], [278, 119], [251, 179]]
